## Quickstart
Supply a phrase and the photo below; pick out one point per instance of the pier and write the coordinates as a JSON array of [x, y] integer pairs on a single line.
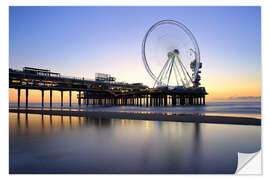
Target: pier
[[148, 97], [101, 91]]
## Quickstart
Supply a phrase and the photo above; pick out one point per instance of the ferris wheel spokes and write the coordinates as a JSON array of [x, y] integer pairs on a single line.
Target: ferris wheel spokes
[[173, 63], [170, 70], [176, 75], [164, 75]]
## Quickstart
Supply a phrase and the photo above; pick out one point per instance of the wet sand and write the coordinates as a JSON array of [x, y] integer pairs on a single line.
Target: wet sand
[[145, 116]]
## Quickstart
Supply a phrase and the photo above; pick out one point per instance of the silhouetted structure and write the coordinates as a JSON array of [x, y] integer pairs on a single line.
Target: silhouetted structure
[[104, 90]]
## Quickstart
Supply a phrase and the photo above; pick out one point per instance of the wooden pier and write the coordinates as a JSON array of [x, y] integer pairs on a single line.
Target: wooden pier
[[98, 92], [148, 97]]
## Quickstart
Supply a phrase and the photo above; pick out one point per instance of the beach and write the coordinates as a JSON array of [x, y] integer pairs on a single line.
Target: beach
[[145, 140], [103, 142], [198, 118]]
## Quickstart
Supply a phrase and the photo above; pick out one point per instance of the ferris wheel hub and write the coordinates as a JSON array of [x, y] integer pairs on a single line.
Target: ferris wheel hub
[[176, 51], [173, 53]]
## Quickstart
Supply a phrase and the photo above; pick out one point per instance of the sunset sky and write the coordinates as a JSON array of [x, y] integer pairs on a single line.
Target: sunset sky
[[80, 41]]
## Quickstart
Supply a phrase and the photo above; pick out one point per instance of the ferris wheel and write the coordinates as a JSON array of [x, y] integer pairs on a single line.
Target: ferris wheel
[[171, 55]]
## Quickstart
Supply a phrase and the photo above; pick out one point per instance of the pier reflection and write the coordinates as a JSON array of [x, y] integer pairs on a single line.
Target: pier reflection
[[21, 123], [87, 145]]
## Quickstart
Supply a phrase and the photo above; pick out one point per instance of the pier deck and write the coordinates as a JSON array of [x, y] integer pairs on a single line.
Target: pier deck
[[95, 92]]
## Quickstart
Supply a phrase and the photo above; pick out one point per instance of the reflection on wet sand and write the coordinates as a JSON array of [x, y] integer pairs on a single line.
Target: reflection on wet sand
[[45, 123], [87, 145]]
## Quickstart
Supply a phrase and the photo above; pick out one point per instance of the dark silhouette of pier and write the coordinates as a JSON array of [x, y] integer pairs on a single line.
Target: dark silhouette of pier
[[101, 91]]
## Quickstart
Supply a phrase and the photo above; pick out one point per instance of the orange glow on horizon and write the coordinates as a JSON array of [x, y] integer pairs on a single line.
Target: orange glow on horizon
[[34, 96]]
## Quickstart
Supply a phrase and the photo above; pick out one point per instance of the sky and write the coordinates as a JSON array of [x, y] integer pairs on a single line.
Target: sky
[[80, 41]]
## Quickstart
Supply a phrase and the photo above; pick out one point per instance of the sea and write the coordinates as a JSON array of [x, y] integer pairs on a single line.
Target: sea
[[234, 109], [50, 144]]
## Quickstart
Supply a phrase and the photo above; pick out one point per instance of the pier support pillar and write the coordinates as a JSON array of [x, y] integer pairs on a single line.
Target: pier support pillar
[[125, 100], [203, 100], [42, 98], [115, 101], [50, 98], [62, 97], [19, 97], [79, 99], [181, 100], [70, 94], [26, 98], [190, 100], [147, 100], [165, 100], [173, 100], [99, 101]]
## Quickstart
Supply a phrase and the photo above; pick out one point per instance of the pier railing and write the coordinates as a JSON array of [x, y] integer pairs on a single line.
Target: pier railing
[[73, 78]]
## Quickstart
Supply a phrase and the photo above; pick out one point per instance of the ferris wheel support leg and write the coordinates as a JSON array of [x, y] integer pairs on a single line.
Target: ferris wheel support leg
[[178, 72], [184, 69], [167, 70], [183, 72], [160, 76], [175, 74], [170, 71]]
